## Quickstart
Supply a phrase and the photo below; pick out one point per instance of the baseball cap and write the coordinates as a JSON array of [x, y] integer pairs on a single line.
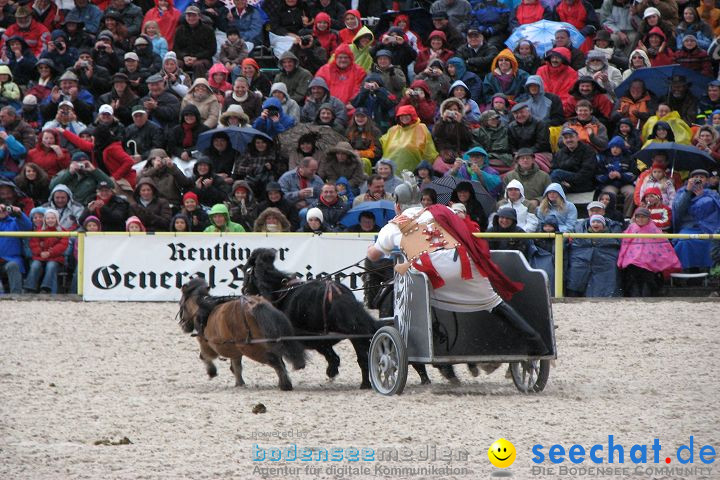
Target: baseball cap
[[106, 109], [103, 184], [132, 56], [138, 109], [66, 103], [568, 131], [192, 9], [595, 204]]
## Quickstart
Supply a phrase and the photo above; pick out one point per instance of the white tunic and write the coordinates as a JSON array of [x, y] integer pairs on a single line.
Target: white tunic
[[457, 295]]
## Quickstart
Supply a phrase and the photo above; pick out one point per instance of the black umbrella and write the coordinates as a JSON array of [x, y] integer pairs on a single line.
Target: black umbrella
[[445, 186], [680, 157], [325, 137]]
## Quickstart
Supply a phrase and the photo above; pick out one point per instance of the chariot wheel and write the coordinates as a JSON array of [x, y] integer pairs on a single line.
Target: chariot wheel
[[388, 362], [530, 376]]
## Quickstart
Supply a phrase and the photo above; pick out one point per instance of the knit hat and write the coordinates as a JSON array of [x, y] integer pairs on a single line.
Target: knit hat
[[80, 156], [251, 62], [507, 212], [458, 208], [273, 187], [191, 196], [135, 220], [642, 212], [595, 204], [158, 152], [658, 166], [30, 100], [598, 218], [690, 36], [315, 213], [52, 211], [40, 210], [93, 219], [652, 191], [170, 56], [651, 11]]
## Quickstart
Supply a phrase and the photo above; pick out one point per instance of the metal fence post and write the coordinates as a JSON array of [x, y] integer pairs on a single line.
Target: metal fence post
[[559, 260], [81, 263]]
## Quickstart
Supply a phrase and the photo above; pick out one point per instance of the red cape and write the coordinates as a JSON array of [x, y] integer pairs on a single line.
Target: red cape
[[478, 250]]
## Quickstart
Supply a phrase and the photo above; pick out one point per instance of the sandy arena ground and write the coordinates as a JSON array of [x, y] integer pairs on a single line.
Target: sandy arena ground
[[73, 374]]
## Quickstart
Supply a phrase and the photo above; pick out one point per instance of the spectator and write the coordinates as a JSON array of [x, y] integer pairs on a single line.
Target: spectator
[[295, 77], [11, 261], [543, 106], [177, 82], [693, 57], [492, 19], [599, 69], [250, 102], [609, 199], [420, 98], [10, 194], [48, 154], [376, 191], [592, 267], [222, 155], [360, 47], [167, 18], [274, 198], [326, 117], [121, 98], [573, 165], [642, 259], [676, 127], [515, 198], [302, 186], [288, 17], [696, 209], [597, 207], [437, 48], [33, 181], [234, 116], [167, 177], [307, 146], [638, 59], [629, 134], [200, 96], [342, 75], [505, 221], [153, 211], [10, 155], [528, 11], [316, 222], [273, 120], [220, 220], [87, 13], [527, 57], [331, 207], [320, 95], [21, 60], [134, 225], [183, 138], [16, 127], [216, 11], [195, 43], [46, 79], [615, 18], [557, 74], [210, 188], [248, 21], [504, 77], [366, 224], [9, 91], [589, 128], [555, 203], [465, 194], [436, 79], [261, 163], [233, 51], [692, 24], [494, 136], [364, 136], [452, 31], [199, 220], [78, 36], [397, 48], [242, 205], [637, 104], [310, 54], [660, 213], [477, 54], [323, 32], [69, 210], [617, 172], [47, 257], [69, 90], [82, 178], [527, 132], [272, 220], [616, 57], [409, 142], [533, 180], [146, 135], [342, 161], [35, 34], [353, 24], [376, 100], [655, 45], [710, 14], [179, 224], [457, 70]]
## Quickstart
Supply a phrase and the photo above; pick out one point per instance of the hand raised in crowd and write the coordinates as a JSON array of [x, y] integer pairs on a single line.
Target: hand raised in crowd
[[150, 104], [73, 91], [96, 204], [185, 156], [58, 151], [3, 135], [456, 165], [55, 94]]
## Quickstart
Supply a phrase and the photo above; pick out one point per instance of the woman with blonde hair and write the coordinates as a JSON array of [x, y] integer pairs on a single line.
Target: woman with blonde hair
[[271, 220], [556, 204]]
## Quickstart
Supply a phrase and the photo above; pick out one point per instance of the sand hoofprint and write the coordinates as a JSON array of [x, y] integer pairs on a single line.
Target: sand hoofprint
[[117, 391]]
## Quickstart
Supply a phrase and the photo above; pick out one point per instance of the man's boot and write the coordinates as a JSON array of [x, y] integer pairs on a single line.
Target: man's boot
[[536, 343]]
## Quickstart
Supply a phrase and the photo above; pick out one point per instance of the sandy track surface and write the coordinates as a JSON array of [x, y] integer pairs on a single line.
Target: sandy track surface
[[73, 374]]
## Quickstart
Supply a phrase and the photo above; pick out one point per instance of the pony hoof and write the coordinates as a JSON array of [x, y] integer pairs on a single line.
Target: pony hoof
[[212, 373], [286, 387], [425, 381], [332, 372], [365, 386], [474, 371], [239, 384]]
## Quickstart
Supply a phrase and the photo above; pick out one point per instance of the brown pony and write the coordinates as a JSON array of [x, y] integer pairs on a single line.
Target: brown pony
[[227, 327]]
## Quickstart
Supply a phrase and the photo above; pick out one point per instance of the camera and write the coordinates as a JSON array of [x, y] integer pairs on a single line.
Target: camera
[[698, 181], [59, 45], [306, 40], [83, 64], [413, 93], [81, 166], [8, 208]]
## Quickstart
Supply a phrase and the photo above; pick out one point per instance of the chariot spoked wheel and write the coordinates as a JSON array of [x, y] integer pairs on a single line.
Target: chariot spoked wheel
[[530, 376], [388, 362]]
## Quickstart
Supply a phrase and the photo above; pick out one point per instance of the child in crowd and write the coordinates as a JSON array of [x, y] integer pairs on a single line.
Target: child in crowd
[[134, 225], [159, 43], [660, 214], [9, 91], [234, 50], [198, 218], [48, 255], [658, 179], [179, 223]]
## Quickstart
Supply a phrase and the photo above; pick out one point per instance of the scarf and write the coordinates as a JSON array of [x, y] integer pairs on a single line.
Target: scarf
[[324, 202], [187, 140], [504, 79], [478, 250], [302, 180]]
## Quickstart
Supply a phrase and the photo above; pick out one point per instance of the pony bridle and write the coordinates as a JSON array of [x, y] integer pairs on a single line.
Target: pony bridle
[[248, 272]]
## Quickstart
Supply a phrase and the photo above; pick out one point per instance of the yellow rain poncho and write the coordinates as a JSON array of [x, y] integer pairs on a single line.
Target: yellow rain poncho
[[408, 146], [362, 55]]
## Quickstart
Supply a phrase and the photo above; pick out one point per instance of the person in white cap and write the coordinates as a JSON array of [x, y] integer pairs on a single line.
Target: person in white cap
[[69, 90], [315, 221]]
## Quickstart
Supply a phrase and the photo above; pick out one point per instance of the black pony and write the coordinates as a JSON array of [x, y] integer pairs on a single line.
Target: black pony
[[314, 308]]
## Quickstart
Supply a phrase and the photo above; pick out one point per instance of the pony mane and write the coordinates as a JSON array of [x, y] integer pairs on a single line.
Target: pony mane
[[264, 278]]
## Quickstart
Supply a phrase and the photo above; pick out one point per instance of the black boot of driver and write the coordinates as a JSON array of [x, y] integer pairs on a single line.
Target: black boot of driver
[[535, 341]]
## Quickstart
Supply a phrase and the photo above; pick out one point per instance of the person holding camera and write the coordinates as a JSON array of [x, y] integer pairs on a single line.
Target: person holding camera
[[395, 43], [81, 177], [12, 219], [696, 209], [58, 50], [18, 56], [420, 98], [376, 99], [295, 77], [307, 49], [69, 90], [35, 34]]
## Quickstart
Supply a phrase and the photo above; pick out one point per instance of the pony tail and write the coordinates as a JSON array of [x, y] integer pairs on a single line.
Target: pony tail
[[273, 324]]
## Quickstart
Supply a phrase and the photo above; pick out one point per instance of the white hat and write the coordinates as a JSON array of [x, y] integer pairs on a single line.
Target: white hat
[[66, 103], [131, 56], [314, 213], [106, 109], [651, 11], [458, 208]]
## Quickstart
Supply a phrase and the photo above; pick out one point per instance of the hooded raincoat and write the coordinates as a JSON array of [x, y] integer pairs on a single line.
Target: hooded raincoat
[[408, 145]]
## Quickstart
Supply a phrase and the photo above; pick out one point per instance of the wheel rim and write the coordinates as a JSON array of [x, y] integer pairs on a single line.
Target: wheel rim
[[385, 363], [527, 373]]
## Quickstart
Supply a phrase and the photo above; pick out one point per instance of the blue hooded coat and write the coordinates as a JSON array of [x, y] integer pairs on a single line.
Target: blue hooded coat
[[491, 178], [566, 218], [623, 163], [471, 80], [267, 125]]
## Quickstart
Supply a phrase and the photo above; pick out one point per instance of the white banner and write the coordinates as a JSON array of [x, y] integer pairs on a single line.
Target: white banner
[[123, 267]]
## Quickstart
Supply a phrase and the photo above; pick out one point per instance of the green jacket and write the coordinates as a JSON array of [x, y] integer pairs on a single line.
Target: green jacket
[[495, 141], [535, 181], [82, 185], [229, 226]]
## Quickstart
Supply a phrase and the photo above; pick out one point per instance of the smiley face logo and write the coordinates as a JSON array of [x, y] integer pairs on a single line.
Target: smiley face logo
[[502, 453]]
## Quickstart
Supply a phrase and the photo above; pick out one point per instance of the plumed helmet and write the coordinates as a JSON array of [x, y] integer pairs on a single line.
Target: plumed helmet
[[407, 194]]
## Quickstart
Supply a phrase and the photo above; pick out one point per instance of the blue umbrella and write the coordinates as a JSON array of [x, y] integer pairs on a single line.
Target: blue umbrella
[[657, 80], [239, 137], [384, 211], [542, 35], [681, 157]]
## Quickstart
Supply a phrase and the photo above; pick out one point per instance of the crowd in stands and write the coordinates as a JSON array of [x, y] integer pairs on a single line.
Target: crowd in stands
[[105, 107]]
